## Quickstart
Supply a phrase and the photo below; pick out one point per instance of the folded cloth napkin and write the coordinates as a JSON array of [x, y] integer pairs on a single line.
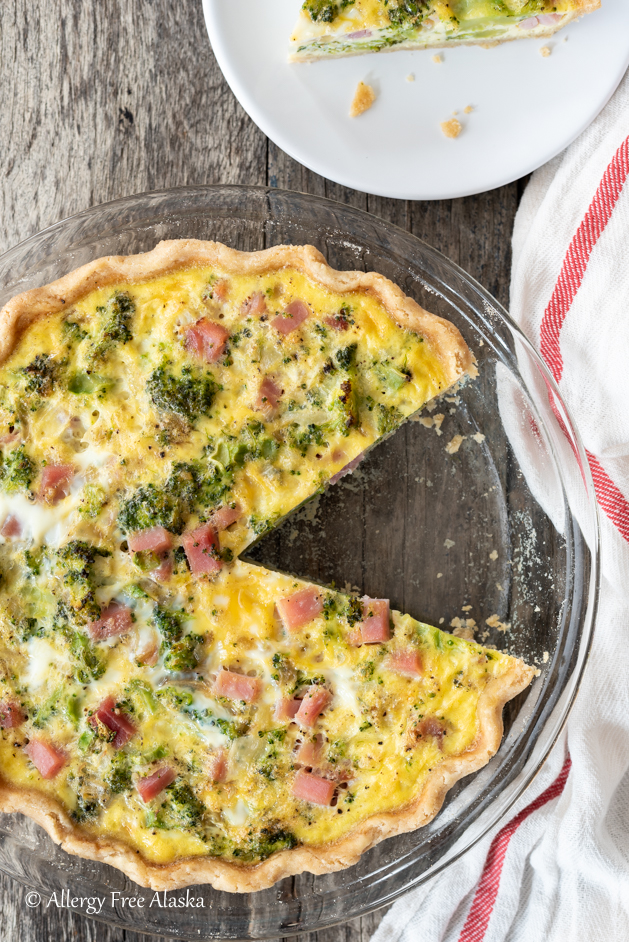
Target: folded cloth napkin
[[558, 869]]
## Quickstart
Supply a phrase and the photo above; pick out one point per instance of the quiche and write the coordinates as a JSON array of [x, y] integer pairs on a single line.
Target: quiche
[[350, 27], [166, 706]]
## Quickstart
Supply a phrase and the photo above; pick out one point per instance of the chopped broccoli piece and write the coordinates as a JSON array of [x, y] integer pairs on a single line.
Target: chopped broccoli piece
[[40, 375], [169, 623], [325, 11], [17, 471], [76, 560], [117, 315], [346, 357], [267, 841], [73, 332], [183, 806], [90, 664], [93, 499], [118, 778], [189, 395], [182, 655]]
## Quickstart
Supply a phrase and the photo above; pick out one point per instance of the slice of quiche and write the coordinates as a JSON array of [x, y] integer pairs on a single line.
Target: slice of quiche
[[350, 27], [164, 706]]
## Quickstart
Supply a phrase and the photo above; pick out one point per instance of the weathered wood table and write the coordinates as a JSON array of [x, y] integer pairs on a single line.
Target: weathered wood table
[[102, 100]]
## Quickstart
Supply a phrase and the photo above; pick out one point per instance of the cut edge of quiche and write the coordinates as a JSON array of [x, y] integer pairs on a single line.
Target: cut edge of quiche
[[457, 362], [342, 29]]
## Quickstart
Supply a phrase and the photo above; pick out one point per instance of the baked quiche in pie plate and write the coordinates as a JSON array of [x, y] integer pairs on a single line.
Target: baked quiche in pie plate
[[175, 704]]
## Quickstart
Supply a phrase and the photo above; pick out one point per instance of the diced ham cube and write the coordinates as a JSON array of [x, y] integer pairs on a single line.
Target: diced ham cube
[[218, 766], [405, 662], [55, 482], [114, 620], [310, 753], [313, 788], [313, 705], [237, 686], [293, 316], [300, 609], [337, 321], [164, 571], [47, 759], [268, 396], [351, 466], [11, 715], [153, 540], [286, 709], [374, 627], [207, 339], [225, 516], [220, 290], [202, 549], [117, 722], [151, 785], [11, 528], [255, 304], [9, 438]]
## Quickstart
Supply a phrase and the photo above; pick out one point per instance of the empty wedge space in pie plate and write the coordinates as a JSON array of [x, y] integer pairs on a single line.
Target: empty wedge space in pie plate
[[463, 517], [525, 107]]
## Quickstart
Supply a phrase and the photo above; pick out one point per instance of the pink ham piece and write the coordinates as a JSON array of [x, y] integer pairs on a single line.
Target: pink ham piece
[[359, 34], [115, 620], [405, 662], [313, 705], [299, 609], [268, 396], [206, 339], [202, 548], [225, 516], [531, 23], [286, 709], [11, 528], [164, 571], [11, 715], [313, 788], [47, 759], [153, 540], [116, 722], [55, 482], [218, 766], [374, 627], [548, 19], [353, 464], [237, 686], [310, 753], [151, 785], [293, 317], [220, 290], [337, 321], [256, 305]]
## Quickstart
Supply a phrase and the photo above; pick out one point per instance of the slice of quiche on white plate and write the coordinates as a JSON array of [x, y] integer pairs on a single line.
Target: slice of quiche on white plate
[[331, 28], [165, 706]]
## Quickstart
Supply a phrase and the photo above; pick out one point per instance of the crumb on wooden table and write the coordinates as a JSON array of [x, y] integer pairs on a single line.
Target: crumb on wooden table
[[437, 58], [451, 128], [545, 51], [494, 622], [363, 100], [454, 444]]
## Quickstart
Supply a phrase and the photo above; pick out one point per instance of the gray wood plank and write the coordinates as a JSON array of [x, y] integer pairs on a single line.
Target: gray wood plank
[[105, 100]]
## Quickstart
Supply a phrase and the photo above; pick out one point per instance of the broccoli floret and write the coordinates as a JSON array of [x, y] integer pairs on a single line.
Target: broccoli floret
[[407, 12], [40, 375], [90, 664], [16, 471], [346, 357], [118, 778], [73, 332], [76, 560], [181, 655], [183, 806], [189, 395], [325, 11], [301, 437], [169, 623], [93, 499], [115, 330], [175, 699], [29, 628], [388, 418], [354, 611], [86, 808], [267, 841]]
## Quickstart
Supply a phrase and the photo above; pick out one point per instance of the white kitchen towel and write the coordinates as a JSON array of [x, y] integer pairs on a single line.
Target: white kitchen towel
[[558, 870]]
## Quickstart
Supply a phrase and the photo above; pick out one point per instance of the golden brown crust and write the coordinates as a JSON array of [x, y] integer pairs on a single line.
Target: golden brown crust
[[443, 337], [585, 6], [237, 878], [456, 361]]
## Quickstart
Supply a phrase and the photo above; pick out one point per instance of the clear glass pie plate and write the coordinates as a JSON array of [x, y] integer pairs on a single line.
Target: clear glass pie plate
[[502, 531]]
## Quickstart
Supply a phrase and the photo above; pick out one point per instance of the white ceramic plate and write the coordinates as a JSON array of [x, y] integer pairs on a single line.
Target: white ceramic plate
[[527, 108]]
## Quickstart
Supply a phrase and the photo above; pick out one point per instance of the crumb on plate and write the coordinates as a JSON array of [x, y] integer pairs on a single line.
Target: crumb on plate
[[545, 51], [451, 128], [363, 100], [437, 58], [468, 109], [410, 77]]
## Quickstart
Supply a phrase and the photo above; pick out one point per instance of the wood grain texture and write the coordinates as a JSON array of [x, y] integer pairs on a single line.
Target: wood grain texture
[[102, 100]]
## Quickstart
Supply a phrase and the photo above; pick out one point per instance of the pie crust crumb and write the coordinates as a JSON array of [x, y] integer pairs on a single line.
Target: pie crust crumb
[[545, 51], [451, 128], [363, 100]]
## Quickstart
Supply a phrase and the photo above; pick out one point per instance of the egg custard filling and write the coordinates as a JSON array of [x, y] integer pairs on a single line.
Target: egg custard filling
[[349, 27], [164, 705]]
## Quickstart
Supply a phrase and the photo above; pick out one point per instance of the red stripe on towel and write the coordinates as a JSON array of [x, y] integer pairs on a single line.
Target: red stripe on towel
[[489, 883]]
